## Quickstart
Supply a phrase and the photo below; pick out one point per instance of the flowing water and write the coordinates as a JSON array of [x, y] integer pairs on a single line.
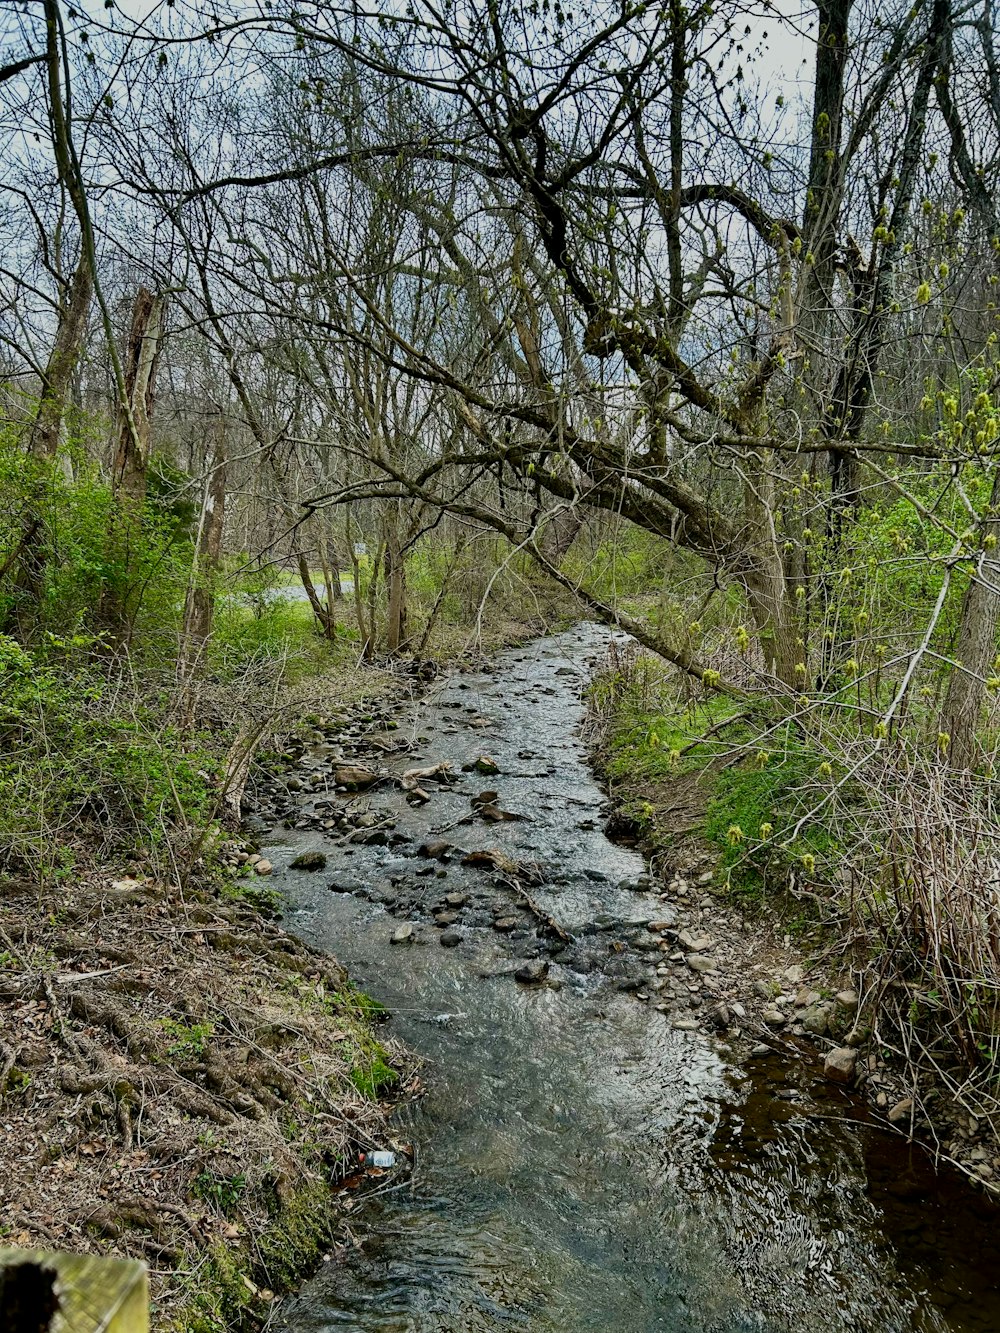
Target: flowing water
[[579, 1164]]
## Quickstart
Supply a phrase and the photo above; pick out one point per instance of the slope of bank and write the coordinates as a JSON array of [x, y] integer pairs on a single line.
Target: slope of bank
[[767, 953], [185, 1083]]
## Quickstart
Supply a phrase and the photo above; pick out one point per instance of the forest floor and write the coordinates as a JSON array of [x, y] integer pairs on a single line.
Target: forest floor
[[185, 1083], [753, 970]]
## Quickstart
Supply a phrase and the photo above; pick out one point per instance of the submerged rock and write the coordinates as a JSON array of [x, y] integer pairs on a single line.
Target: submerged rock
[[309, 861], [532, 972]]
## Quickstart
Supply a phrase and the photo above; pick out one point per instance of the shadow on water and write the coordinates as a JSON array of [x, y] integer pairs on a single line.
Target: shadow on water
[[578, 1164]]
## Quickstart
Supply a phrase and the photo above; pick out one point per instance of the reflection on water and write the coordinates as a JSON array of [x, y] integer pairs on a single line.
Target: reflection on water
[[580, 1165]]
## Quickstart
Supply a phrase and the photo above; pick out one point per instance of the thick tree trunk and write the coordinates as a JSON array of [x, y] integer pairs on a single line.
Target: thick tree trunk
[[128, 477], [59, 372]]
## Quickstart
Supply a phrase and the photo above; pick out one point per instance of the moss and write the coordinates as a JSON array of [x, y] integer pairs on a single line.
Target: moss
[[371, 1073], [224, 1296]]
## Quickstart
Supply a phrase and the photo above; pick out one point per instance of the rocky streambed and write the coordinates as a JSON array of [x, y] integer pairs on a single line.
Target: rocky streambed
[[623, 1127]]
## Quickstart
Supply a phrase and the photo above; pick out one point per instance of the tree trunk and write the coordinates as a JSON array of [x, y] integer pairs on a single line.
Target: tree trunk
[[324, 614], [395, 579], [61, 368], [128, 477], [199, 604]]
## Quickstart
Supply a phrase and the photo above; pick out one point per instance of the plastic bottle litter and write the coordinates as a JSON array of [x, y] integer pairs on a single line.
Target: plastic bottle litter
[[381, 1160]]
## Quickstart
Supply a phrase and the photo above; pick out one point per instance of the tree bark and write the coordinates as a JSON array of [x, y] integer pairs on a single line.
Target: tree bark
[[199, 604], [324, 614], [128, 477], [61, 367]]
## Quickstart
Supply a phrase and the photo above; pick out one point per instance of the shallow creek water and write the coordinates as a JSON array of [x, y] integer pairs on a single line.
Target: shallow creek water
[[578, 1163]]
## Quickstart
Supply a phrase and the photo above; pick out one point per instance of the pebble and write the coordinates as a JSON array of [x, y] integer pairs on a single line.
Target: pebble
[[449, 938], [847, 999], [685, 1025], [774, 1018], [402, 935], [263, 867], [901, 1111], [697, 962]]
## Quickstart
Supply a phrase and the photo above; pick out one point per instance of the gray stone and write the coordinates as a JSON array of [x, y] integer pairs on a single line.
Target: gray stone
[[685, 1025], [402, 935], [263, 867], [697, 962], [774, 1018], [815, 1019], [901, 1111], [839, 1064], [449, 938], [848, 999]]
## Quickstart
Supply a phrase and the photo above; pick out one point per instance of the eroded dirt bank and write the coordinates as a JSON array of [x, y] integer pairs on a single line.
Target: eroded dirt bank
[[183, 1082]]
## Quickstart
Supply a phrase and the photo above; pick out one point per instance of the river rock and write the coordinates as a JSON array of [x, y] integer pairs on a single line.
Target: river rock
[[847, 1000], [505, 924], [533, 972], [354, 776], [839, 1064], [697, 962], [309, 861], [487, 766], [773, 1017], [685, 1025], [816, 1019], [445, 918], [434, 851], [901, 1111], [694, 943], [449, 938], [263, 867], [402, 935], [456, 899]]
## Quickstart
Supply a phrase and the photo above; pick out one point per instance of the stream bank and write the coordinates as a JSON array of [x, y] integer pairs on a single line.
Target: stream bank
[[591, 1152]]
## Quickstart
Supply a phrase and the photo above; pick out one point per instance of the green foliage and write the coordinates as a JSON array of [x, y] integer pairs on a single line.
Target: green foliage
[[224, 1192], [188, 1041], [85, 750], [371, 1073]]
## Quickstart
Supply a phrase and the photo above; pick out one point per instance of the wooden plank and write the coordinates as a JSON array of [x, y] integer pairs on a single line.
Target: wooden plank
[[96, 1295]]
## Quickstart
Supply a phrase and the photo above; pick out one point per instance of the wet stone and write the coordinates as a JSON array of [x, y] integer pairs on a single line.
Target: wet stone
[[533, 972], [450, 938]]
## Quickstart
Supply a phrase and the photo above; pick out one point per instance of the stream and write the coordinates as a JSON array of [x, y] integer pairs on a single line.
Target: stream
[[579, 1162]]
